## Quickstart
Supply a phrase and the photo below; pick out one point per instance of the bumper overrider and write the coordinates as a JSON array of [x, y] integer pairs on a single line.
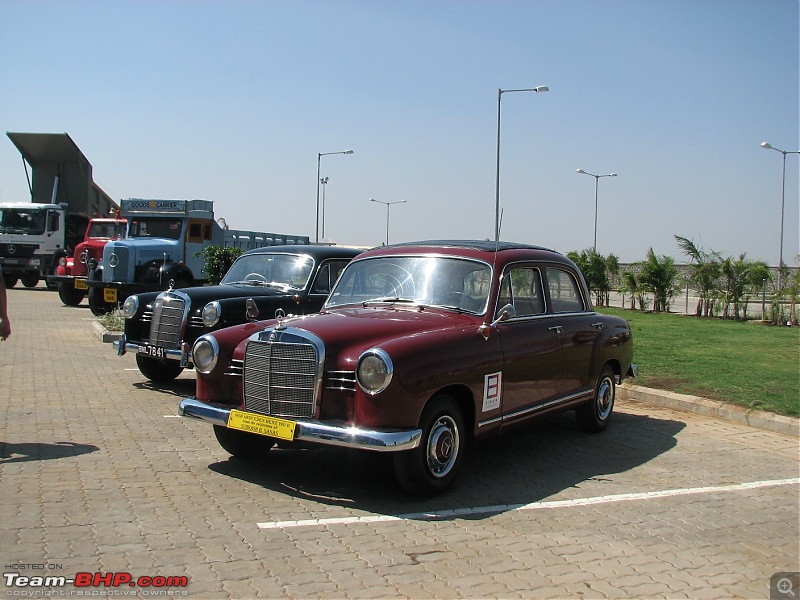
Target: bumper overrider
[[315, 431]]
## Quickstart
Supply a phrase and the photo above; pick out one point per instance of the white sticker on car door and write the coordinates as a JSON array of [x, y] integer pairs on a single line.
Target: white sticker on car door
[[492, 384]]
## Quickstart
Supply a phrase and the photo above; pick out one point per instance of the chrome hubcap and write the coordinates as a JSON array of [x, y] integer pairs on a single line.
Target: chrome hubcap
[[605, 398], [443, 445]]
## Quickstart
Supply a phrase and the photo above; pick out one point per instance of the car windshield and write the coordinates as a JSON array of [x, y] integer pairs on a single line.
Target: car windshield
[[455, 283], [290, 271]]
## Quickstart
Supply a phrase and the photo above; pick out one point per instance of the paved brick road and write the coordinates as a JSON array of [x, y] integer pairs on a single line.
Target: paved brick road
[[98, 475]]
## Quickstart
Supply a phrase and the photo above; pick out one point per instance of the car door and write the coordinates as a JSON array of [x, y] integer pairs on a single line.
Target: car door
[[530, 345], [578, 327]]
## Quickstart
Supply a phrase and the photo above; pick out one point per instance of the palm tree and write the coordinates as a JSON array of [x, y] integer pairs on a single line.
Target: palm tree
[[629, 284], [705, 271], [659, 276], [757, 278]]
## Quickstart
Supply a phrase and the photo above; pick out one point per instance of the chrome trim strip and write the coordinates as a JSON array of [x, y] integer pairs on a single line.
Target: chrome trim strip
[[314, 431], [538, 407]]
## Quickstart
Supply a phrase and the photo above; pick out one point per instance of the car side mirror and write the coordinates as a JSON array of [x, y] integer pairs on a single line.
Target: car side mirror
[[251, 310], [506, 313]]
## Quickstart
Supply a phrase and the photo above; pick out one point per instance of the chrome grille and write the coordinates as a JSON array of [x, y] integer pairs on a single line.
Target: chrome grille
[[280, 378], [165, 328], [341, 380]]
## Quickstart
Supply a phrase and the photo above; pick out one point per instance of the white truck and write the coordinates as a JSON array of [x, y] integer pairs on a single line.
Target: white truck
[[34, 235], [163, 249]]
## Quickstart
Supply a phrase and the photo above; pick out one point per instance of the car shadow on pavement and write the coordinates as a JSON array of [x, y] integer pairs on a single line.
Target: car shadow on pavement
[[180, 388], [527, 465], [28, 451]]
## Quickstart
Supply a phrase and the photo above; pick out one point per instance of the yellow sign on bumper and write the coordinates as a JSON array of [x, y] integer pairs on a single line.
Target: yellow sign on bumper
[[261, 425], [110, 295], [80, 284]]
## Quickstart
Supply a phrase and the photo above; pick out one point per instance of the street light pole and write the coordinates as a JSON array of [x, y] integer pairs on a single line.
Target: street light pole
[[540, 88], [596, 180], [324, 182], [319, 157], [388, 204], [769, 146]]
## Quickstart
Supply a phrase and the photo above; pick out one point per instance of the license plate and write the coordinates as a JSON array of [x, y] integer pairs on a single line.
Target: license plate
[[80, 284], [110, 295], [154, 351], [261, 425]]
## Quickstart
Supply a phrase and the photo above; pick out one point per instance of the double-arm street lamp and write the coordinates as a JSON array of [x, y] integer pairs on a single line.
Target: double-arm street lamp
[[596, 180], [388, 204], [769, 146], [319, 157], [540, 88]]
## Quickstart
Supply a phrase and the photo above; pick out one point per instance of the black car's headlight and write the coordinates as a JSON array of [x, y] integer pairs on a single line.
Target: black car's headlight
[[205, 353], [130, 307], [212, 312], [374, 371]]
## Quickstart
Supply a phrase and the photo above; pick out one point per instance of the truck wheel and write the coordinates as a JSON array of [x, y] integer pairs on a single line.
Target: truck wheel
[[53, 271], [593, 416], [10, 281], [30, 279], [69, 295], [158, 370], [96, 302], [430, 468], [243, 444]]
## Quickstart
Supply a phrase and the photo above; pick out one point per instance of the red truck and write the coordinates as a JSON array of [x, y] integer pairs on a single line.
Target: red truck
[[72, 271]]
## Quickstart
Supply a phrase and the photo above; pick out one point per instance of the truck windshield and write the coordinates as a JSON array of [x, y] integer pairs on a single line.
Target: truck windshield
[[454, 283], [283, 270], [22, 220], [155, 227], [111, 230]]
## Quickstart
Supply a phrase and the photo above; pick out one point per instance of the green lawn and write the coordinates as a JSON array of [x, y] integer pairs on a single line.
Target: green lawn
[[749, 364]]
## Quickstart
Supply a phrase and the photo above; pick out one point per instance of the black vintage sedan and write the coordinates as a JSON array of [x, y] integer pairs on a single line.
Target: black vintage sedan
[[161, 327]]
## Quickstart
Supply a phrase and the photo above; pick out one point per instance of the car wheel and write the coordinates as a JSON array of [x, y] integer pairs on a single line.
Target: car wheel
[[10, 281], [243, 444], [594, 416], [431, 468], [69, 295], [158, 370]]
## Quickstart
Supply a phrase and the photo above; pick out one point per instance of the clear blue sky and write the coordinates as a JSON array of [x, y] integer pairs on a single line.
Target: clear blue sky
[[232, 101]]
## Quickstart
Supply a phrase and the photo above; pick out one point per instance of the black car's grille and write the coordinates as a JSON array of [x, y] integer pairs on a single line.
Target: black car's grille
[[166, 326], [280, 378]]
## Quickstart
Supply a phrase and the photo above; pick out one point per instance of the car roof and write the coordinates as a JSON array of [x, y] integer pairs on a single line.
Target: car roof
[[318, 253], [479, 249]]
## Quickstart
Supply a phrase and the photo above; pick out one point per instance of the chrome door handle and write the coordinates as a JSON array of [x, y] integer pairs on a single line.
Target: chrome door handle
[[598, 325], [556, 328]]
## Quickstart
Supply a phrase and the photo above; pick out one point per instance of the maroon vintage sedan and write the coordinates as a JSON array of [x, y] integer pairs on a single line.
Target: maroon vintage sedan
[[420, 348]]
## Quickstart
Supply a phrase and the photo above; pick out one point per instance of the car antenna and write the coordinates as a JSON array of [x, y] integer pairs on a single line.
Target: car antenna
[[486, 327]]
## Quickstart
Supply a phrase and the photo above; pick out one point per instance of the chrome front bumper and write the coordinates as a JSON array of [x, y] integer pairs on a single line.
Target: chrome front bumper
[[316, 432], [183, 355]]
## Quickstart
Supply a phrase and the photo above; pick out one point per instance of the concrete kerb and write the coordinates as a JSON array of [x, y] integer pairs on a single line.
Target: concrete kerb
[[759, 419]]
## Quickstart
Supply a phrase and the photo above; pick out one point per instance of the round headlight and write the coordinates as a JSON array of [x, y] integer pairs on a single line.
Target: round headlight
[[374, 371], [130, 307], [211, 313], [205, 353], [62, 261]]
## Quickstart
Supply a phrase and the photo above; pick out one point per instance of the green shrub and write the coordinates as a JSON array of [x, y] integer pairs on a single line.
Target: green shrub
[[217, 260]]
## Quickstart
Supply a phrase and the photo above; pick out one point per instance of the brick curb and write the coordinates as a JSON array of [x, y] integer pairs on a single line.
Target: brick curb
[[759, 419]]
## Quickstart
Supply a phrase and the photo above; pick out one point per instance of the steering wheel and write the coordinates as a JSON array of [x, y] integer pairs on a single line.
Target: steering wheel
[[255, 277]]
